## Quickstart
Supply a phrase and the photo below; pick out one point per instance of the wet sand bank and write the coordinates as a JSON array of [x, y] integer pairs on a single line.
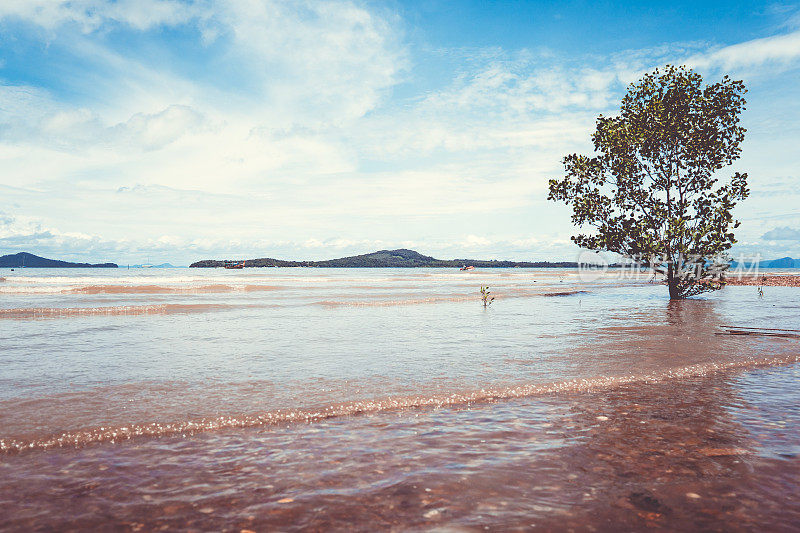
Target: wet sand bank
[[766, 281]]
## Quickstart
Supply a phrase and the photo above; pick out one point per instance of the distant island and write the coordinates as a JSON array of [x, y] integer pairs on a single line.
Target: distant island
[[404, 258], [147, 265], [783, 262], [26, 260], [401, 258]]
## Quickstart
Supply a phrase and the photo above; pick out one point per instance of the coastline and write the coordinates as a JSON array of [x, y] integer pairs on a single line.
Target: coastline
[[767, 280]]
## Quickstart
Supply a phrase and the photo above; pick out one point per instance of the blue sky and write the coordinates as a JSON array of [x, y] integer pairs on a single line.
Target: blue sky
[[176, 131]]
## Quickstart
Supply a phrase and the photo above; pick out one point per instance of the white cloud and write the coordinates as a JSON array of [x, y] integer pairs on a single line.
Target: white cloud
[[784, 233], [522, 85], [778, 50], [154, 131], [304, 150], [324, 62], [90, 15], [312, 69], [471, 241], [33, 117]]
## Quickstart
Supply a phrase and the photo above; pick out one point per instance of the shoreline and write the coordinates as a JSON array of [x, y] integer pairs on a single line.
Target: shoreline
[[785, 280]]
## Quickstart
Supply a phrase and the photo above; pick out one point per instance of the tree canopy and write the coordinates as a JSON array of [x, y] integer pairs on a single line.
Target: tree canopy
[[652, 191]]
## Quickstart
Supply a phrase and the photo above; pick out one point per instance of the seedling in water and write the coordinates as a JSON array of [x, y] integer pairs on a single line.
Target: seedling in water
[[487, 300]]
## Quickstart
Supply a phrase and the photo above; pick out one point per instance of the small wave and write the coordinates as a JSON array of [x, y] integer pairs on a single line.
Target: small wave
[[136, 289], [74, 439], [564, 293], [26, 289], [389, 303], [95, 280], [258, 288], [63, 312], [500, 295], [160, 289], [146, 289]]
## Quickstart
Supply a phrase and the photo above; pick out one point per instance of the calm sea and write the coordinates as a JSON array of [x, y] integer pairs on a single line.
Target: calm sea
[[366, 399]]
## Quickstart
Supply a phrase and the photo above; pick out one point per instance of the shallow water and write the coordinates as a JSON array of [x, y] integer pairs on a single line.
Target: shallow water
[[364, 398]]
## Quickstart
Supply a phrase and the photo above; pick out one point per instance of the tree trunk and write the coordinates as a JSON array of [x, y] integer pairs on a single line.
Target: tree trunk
[[672, 283]]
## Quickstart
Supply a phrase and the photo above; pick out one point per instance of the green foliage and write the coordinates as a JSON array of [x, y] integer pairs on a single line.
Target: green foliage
[[485, 298], [651, 192]]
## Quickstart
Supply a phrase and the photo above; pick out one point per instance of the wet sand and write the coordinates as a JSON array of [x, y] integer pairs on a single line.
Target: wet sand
[[765, 281]]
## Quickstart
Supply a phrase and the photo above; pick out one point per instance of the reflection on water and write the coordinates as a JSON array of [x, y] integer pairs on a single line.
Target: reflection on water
[[399, 403]]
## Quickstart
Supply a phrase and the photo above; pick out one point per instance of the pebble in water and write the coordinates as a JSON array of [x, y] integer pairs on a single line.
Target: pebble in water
[[433, 513]]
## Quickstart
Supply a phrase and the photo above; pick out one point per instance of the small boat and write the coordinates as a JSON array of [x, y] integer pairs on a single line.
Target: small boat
[[232, 266], [465, 267]]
